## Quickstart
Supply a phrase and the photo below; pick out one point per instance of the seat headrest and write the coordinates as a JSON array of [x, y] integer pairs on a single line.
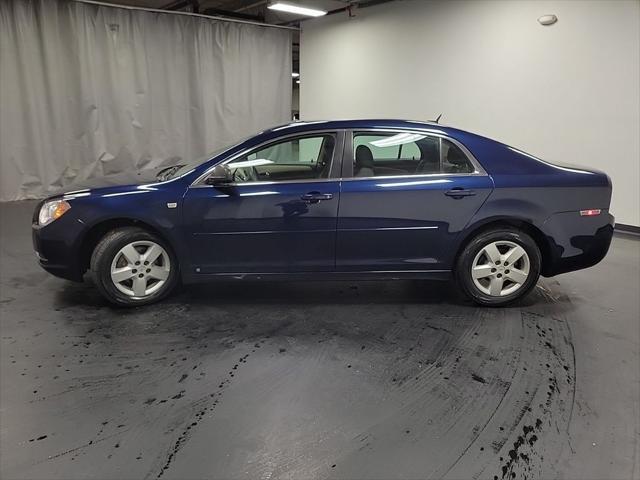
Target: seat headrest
[[429, 152], [364, 157]]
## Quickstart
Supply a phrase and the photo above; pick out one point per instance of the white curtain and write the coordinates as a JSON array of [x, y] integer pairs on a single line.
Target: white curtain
[[88, 90]]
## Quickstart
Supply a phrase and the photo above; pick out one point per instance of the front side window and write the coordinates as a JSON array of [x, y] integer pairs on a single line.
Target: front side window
[[300, 158], [388, 154]]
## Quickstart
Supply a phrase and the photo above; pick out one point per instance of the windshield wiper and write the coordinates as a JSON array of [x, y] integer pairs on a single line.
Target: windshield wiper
[[167, 173]]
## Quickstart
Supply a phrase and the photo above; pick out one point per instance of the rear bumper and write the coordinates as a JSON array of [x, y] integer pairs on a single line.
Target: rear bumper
[[576, 242]]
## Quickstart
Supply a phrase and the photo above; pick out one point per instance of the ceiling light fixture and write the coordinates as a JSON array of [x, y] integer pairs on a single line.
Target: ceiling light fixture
[[298, 82], [295, 74], [286, 7]]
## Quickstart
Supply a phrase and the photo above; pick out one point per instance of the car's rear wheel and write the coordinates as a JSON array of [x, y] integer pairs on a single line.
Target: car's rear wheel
[[498, 267], [132, 266]]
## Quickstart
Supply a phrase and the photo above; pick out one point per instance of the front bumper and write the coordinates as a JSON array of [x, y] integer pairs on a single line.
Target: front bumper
[[56, 247]]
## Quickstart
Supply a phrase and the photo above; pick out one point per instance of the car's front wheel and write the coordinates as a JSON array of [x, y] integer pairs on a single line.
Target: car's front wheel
[[498, 266], [132, 266]]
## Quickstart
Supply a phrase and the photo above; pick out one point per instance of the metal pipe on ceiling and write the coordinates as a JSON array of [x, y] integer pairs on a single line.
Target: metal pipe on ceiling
[[200, 15], [350, 4], [250, 6], [358, 4]]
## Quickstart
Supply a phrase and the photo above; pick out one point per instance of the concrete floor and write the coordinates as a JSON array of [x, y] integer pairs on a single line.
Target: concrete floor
[[318, 380]]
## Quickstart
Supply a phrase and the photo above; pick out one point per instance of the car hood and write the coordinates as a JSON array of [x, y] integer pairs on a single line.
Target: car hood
[[136, 177]]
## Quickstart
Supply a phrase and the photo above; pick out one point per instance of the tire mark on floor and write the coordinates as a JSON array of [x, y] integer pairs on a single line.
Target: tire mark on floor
[[203, 405], [537, 444]]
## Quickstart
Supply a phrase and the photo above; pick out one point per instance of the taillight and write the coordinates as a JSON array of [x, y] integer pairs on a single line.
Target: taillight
[[590, 213]]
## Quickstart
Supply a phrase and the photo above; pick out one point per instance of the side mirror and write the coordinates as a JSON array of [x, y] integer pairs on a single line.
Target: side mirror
[[220, 175]]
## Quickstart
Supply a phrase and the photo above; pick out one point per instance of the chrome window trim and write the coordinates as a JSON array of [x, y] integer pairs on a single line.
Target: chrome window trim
[[319, 180], [478, 169], [199, 182], [423, 175]]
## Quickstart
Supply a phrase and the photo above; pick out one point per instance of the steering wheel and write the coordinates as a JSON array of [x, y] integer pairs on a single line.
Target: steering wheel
[[245, 174]]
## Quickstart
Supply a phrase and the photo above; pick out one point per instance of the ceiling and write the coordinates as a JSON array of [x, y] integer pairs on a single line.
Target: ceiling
[[243, 9], [255, 10]]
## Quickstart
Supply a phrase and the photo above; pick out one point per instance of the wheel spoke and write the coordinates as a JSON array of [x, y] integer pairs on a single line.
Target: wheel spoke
[[122, 274], [514, 255], [159, 273], [131, 254], [495, 286], [152, 253], [481, 271], [491, 268], [144, 274], [517, 276], [139, 286], [492, 252]]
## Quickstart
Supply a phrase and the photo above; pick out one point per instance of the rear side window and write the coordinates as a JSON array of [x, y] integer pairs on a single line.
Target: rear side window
[[408, 153], [454, 159]]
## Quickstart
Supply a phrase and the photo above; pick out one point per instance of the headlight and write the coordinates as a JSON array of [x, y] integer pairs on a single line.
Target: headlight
[[52, 210]]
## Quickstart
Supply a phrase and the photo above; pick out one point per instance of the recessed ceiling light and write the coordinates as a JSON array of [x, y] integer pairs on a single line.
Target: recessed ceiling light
[[286, 7], [298, 81], [295, 74]]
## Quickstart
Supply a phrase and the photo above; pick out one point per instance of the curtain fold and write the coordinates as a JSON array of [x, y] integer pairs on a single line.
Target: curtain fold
[[88, 90]]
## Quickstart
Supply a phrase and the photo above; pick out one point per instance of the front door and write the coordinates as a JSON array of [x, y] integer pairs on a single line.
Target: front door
[[404, 198], [278, 215]]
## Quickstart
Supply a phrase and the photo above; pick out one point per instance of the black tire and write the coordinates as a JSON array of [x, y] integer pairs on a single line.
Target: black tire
[[103, 256], [464, 265]]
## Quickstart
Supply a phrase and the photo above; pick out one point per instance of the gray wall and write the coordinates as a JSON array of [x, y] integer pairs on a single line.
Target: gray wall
[[567, 92], [87, 90]]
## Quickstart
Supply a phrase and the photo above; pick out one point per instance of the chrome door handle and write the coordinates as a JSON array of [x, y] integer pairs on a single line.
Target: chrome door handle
[[459, 193], [315, 197]]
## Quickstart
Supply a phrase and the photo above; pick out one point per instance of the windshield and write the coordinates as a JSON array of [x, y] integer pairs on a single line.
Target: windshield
[[177, 170]]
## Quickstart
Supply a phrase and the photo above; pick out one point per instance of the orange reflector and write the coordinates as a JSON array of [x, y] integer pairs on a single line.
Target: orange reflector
[[590, 213]]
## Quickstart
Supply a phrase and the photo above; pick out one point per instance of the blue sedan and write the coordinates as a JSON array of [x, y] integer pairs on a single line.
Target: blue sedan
[[363, 199]]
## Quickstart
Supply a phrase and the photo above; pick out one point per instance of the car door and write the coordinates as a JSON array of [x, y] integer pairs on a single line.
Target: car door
[[277, 214], [405, 196]]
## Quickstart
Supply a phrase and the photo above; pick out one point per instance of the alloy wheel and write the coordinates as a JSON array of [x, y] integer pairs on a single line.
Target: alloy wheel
[[140, 268], [500, 268]]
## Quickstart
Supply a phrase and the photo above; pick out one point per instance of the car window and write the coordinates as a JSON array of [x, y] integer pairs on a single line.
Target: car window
[[387, 151], [300, 158], [454, 160], [408, 153]]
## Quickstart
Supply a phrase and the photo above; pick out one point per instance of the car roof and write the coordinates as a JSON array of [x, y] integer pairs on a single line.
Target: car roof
[[303, 126]]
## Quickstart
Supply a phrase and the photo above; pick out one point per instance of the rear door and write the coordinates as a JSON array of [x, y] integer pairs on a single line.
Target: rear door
[[405, 196]]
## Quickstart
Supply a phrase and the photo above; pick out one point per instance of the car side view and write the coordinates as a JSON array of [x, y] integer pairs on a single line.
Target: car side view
[[360, 199]]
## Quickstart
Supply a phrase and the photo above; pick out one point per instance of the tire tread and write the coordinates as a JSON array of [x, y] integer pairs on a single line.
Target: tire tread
[[469, 251], [100, 265]]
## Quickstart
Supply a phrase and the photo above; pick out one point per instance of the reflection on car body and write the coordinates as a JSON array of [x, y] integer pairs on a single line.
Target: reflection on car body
[[357, 199]]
